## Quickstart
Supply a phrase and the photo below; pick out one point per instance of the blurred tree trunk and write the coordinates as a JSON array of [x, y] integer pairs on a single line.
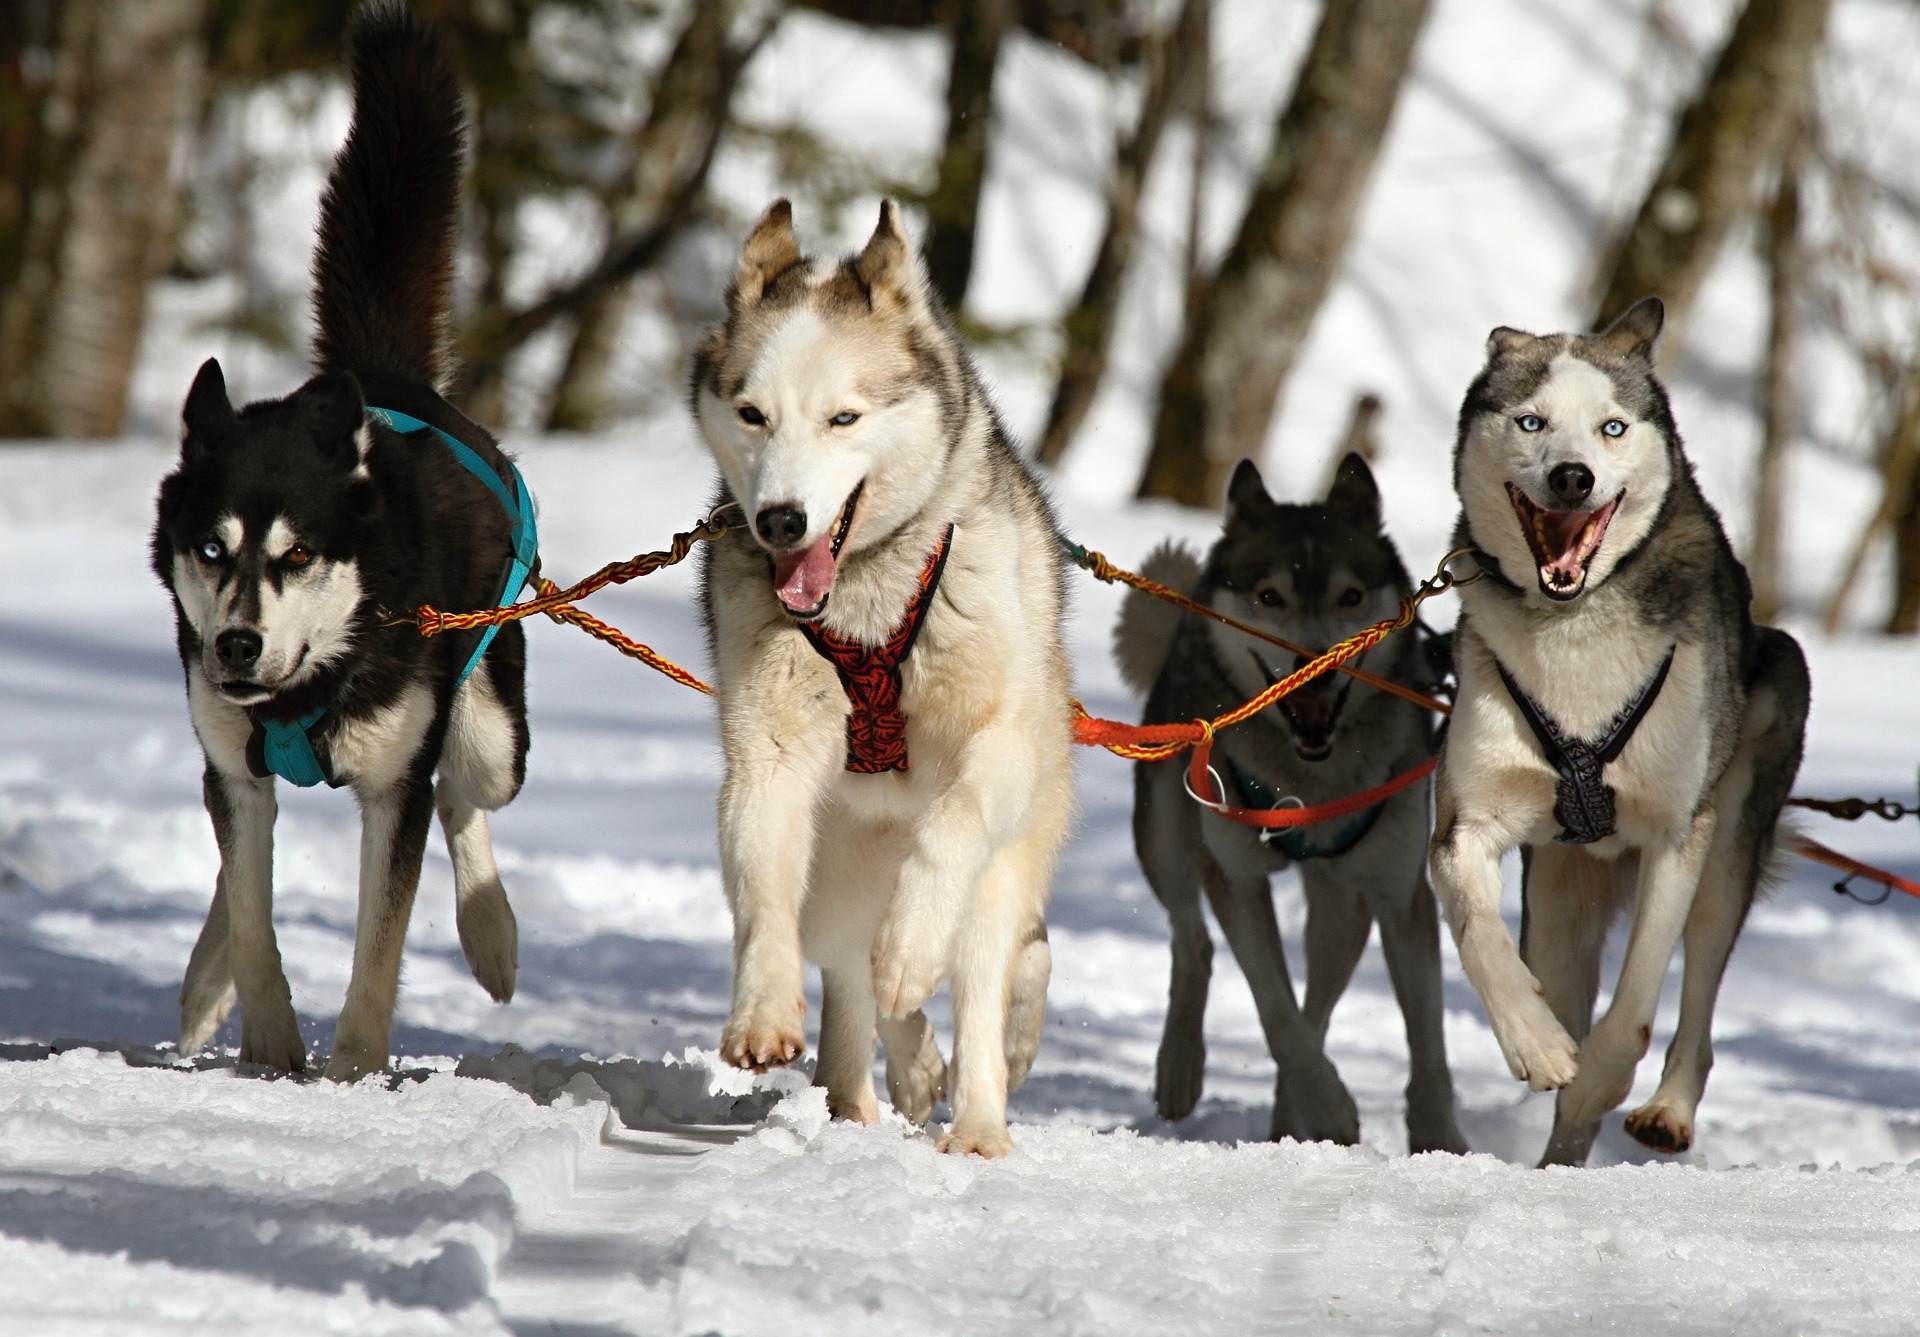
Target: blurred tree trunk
[[1903, 508], [1739, 123], [1173, 59], [976, 28], [1219, 394], [1899, 507], [687, 97], [97, 94], [1785, 262]]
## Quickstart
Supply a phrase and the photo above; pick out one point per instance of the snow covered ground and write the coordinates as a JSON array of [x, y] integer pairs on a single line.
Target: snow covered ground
[[648, 1190]]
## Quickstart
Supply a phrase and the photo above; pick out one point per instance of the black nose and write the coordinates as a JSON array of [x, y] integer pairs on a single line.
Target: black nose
[[238, 650], [781, 526], [1571, 483]]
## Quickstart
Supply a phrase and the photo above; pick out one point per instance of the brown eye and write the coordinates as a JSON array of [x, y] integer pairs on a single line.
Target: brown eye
[[296, 556], [752, 416], [1270, 598], [1350, 599]]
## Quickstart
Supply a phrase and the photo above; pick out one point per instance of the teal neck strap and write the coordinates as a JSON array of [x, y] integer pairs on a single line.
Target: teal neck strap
[[292, 749], [1294, 841]]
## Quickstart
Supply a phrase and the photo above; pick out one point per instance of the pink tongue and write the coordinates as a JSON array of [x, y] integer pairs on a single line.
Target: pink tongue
[[1563, 530], [802, 579]]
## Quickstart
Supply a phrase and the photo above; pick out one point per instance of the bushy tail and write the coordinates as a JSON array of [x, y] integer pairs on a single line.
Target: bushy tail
[[384, 269], [1143, 637]]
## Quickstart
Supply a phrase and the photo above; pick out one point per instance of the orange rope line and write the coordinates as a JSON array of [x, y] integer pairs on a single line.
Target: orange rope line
[[1097, 565]]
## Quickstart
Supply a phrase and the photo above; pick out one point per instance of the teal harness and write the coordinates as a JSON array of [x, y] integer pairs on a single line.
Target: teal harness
[[290, 748], [1292, 841]]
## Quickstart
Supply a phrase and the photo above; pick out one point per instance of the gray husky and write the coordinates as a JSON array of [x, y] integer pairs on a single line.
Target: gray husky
[[1620, 717], [1313, 575]]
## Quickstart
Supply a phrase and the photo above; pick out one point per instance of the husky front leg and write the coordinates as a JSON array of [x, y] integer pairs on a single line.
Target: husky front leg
[[1410, 940], [243, 812], [481, 768], [207, 994], [1310, 1102], [1166, 839], [766, 822], [393, 839], [1669, 877], [1465, 867]]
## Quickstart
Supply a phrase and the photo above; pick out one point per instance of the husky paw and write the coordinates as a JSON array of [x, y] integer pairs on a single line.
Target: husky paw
[[1312, 1104], [987, 1141], [917, 1077], [490, 938], [203, 1011], [765, 1035], [858, 1108], [1179, 1075], [1537, 1047], [1604, 1079], [351, 1061], [273, 1042], [1661, 1127], [904, 975], [1431, 1126]]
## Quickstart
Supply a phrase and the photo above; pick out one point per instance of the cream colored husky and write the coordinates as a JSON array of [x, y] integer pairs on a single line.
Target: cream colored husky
[[894, 702]]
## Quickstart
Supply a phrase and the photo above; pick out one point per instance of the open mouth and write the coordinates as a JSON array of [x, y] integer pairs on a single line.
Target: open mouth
[[803, 577], [1563, 542], [1311, 710]]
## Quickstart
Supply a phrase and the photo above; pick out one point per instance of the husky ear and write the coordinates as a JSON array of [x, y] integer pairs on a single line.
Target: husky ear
[[337, 417], [769, 250], [1246, 494], [1354, 491], [208, 415], [1633, 334], [888, 266], [1506, 339]]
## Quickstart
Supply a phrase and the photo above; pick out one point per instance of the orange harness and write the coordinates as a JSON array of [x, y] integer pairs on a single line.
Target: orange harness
[[870, 675]]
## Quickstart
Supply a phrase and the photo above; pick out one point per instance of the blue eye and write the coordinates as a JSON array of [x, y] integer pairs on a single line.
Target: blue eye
[[1614, 427], [1531, 422], [844, 418], [213, 550]]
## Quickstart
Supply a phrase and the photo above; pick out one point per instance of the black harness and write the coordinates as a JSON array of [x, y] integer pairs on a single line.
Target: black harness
[[1584, 803]]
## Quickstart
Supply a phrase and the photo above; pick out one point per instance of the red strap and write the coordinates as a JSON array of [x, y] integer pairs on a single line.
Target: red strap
[[1846, 863], [1201, 780]]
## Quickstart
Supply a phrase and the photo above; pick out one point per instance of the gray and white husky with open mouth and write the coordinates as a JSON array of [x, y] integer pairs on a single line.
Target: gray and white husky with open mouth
[[894, 702], [1620, 717]]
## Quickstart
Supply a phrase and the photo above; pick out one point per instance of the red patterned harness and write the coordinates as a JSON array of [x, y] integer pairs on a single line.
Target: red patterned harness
[[870, 675]]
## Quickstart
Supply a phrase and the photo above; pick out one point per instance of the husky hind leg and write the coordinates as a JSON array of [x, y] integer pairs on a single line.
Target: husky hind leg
[[849, 885], [1166, 837], [1754, 788], [1570, 901], [916, 1073], [1027, 978], [207, 995], [481, 769]]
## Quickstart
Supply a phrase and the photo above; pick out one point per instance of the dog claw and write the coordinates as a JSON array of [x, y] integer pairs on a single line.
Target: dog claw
[[1661, 1129], [760, 1038]]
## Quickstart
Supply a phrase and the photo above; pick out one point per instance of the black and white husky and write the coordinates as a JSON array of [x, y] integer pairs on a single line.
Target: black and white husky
[[1620, 717], [1314, 574], [292, 534]]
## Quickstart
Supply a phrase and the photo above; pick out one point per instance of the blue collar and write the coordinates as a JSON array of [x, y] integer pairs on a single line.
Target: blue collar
[[293, 749], [1293, 841]]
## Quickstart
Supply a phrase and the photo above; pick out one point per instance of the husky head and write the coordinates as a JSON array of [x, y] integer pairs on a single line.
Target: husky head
[[259, 531], [1312, 575], [825, 398], [1566, 451]]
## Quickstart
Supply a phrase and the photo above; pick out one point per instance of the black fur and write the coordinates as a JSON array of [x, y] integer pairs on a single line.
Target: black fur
[[415, 525]]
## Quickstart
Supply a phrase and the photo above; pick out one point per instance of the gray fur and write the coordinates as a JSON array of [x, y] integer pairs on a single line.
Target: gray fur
[[1700, 785], [1310, 555]]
